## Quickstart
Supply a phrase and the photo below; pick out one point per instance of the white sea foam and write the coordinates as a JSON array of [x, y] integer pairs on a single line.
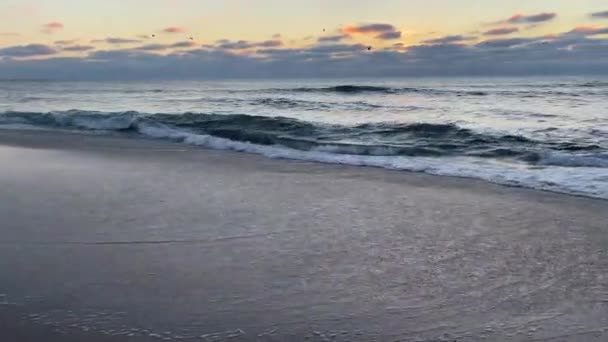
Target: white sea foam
[[574, 173], [562, 159], [586, 181]]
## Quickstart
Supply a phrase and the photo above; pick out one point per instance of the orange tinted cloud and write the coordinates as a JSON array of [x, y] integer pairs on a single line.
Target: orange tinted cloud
[[174, 29], [589, 30], [369, 29], [584, 29], [52, 27]]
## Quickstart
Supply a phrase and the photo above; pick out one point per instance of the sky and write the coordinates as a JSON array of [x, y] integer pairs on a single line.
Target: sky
[[183, 39]]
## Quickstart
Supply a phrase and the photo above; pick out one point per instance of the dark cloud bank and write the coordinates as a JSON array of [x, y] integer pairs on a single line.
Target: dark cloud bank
[[580, 51]]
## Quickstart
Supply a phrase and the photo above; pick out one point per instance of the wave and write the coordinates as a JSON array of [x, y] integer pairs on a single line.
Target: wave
[[348, 89], [356, 89], [441, 149], [585, 88], [73, 119], [593, 88], [591, 183], [594, 84], [572, 84], [289, 103], [371, 139], [530, 92], [599, 160]]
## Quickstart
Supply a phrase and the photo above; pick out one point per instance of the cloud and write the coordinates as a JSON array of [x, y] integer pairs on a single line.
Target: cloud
[[153, 47], [381, 31], [333, 39], [124, 54], [9, 34], [325, 53], [389, 35], [534, 18], [185, 44], [314, 53], [174, 29], [276, 36], [244, 44], [501, 31], [581, 51], [162, 47], [52, 27], [438, 52], [66, 42], [599, 15], [527, 19], [279, 51], [584, 29], [587, 31], [531, 26], [30, 50], [336, 48], [237, 45], [369, 29], [505, 43], [269, 43], [449, 39], [116, 41], [78, 48]]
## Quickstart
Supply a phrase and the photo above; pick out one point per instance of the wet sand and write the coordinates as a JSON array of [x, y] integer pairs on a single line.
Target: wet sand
[[118, 239]]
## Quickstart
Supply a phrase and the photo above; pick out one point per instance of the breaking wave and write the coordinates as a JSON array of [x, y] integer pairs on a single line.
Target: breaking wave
[[377, 139], [357, 89], [445, 149]]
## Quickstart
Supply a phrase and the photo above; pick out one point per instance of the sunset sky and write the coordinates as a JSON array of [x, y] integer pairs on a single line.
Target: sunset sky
[[37, 36]]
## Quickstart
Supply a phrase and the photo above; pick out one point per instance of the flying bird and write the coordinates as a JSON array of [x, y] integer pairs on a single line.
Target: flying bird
[[153, 36], [369, 48], [191, 38]]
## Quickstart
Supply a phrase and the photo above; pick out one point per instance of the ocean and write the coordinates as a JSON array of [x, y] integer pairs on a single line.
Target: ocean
[[542, 133]]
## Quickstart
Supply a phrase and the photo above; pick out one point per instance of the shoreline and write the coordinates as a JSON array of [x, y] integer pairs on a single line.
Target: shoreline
[[29, 138], [171, 241]]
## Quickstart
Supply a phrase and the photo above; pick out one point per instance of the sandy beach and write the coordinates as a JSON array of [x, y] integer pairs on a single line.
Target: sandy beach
[[107, 238]]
